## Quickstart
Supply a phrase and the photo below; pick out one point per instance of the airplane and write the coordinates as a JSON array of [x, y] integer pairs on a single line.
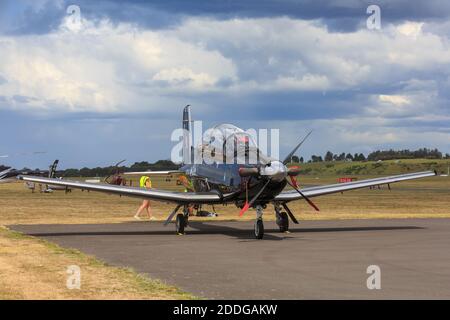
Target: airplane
[[115, 178], [246, 185], [10, 175], [49, 188], [6, 175]]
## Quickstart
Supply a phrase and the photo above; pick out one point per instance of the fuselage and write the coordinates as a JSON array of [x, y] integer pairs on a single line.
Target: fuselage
[[226, 179], [229, 161]]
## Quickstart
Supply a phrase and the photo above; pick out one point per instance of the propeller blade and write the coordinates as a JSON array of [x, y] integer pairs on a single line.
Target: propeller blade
[[119, 163], [249, 204], [294, 182], [289, 156], [116, 167], [304, 197], [244, 209], [291, 215]]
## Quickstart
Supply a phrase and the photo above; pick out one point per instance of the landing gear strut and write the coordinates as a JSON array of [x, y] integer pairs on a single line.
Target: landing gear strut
[[259, 225]]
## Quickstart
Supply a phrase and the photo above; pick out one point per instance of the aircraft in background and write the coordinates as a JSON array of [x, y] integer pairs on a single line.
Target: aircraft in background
[[116, 177], [244, 185], [10, 175], [48, 188]]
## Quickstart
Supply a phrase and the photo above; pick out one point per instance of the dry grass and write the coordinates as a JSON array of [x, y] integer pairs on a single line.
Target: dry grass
[[32, 268], [426, 198], [420, 198]]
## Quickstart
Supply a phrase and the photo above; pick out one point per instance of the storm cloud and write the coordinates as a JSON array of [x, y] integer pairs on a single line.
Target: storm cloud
[[292, 65]]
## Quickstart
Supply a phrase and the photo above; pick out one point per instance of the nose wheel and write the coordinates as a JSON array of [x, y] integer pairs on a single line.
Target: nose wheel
[[259, 229], [259, 224]]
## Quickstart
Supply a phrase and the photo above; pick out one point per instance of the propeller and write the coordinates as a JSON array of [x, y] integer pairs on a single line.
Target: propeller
[[116, 171], [294, 185], [119, 163], [252, 201], [289, 156], [275, 170], [294, 171], [289, 212]]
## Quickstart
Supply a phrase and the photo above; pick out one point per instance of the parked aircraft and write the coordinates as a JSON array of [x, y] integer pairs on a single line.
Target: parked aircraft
[[216, 181], [11, 175], [49, 188]]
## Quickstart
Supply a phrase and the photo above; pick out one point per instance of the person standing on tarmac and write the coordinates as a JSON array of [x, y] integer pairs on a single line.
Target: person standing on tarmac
[[145, 182], [187, 188]]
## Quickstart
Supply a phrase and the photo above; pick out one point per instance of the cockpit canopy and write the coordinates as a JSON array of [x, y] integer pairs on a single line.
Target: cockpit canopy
[[229, 144]]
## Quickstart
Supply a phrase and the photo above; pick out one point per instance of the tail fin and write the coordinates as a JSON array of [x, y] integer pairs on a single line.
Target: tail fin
[[187, 135], [52, 169]]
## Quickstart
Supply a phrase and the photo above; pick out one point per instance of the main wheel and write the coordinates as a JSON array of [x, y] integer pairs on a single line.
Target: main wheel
[[259, 229], [283, 221], [180, 223]]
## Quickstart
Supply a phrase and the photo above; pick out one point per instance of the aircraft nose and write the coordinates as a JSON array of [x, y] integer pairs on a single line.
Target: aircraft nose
[[276, 170]]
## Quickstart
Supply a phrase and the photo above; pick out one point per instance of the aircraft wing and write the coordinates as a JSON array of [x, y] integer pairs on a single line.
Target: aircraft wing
[[341, 187], [7, 177], [149, 194], [4, 172], [148, 173]]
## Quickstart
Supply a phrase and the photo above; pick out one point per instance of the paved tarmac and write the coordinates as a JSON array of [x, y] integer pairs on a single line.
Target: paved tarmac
[[317, 260]]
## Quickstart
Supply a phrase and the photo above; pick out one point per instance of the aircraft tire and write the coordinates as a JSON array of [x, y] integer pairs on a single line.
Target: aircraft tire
[[180, 223], [259, 229], [283, 222]]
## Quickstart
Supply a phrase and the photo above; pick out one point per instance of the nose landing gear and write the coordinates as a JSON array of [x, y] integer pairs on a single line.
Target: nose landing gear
[[259, 224]]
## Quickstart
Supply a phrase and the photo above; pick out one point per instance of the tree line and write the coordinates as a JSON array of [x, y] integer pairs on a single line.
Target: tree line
[[159, 165], [162, 165], [378, 155]]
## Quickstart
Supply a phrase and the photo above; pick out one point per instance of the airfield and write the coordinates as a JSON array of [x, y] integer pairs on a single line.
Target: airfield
[[405, 231], [319, 260]]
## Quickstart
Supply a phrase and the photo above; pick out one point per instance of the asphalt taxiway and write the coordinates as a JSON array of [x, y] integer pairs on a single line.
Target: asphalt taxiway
[[316, 260]]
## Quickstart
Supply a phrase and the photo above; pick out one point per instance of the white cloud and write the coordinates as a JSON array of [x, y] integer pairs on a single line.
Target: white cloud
[[175, 76], [114, 68], [410, 29], [102, 68], [394, 99]]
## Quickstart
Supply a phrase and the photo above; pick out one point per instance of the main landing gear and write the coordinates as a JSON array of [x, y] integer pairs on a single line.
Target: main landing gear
[[282, 219], [181, 221]]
